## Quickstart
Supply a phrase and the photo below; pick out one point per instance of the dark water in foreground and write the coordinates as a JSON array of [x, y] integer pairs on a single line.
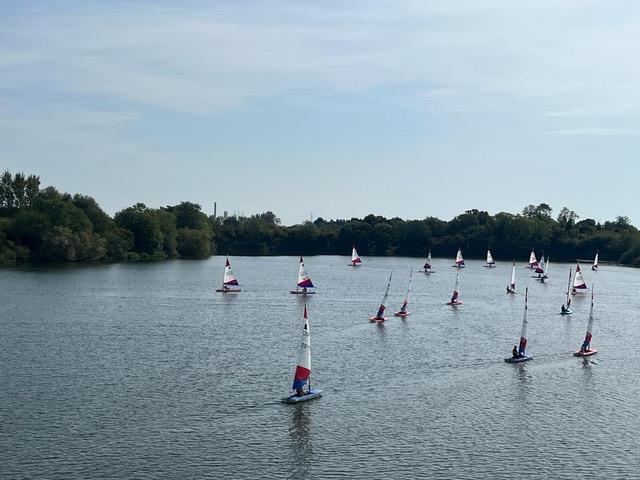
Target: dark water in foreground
[[143, 371]]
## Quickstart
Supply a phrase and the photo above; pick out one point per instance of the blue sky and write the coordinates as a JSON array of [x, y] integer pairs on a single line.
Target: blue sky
[[332, 109]]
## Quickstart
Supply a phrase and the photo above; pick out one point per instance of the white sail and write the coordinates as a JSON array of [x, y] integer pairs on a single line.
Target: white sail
[[405, 303], [229, 278], [490, 258], [380, 315], [355, 258], [532, 260], [304, 281], [511, 288], [578, 280], [303, 364], [522, 347], [427, 264], [455, 298], [595, 262], [459, 259]]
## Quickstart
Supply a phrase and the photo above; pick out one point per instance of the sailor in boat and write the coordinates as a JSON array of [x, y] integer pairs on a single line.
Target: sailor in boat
[[584, 348], [574, 291], [563, 309], [300, 392], [225, 287], [304, 289], [514, 352]]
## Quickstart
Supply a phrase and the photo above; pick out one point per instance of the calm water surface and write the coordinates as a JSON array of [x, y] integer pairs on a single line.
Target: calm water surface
[[143, 371]]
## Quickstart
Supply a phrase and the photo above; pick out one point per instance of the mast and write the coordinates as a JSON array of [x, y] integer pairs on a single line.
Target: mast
[[569, 290], [384, 299], [589, 334]]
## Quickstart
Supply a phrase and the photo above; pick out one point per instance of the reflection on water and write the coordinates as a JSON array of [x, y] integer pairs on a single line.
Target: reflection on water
[[301, 451]]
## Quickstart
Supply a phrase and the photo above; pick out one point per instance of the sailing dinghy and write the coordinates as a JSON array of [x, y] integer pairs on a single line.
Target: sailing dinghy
[[490, 262], [511, 288], [379, 317], [585, 348], [545, 271], [427, 264], [355, 258], [229, 281], [304, 282], [455, 298], [403, 313], [520, 354], [539, 268], [594, 267], [565, 308], [459, 260], [302, 375], [532, 260], [579, 285]]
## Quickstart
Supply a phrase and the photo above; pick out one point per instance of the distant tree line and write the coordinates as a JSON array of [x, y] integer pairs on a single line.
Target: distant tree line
[[44, 225]]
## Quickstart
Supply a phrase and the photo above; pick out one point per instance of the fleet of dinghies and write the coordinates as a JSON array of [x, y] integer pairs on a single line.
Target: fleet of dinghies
[[302, 390]]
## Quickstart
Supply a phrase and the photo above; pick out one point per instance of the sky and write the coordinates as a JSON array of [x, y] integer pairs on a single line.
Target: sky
[[334, 109]]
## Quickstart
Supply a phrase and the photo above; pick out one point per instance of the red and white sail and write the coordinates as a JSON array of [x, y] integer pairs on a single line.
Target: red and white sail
[[380, 314], [532, 260], [490, 262], [587, 339], [427, 264], [303, 365], [459, 259], [304, 281], [512, 285], [578, 280], [455, 298], [229, 279], [539, 268], [522, 346], [595, 262], [355, 258]]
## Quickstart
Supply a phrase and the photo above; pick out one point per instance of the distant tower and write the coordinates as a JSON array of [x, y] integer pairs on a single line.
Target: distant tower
[[215, 210]]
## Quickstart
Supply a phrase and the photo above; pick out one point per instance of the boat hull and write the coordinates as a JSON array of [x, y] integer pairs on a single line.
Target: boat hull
[[298, 292], [402, 314], [489, 266], [377, 319], [566, 312], [227, 290], [588, 353], [458, 266], [525, 358], [313, 393], [454, 304]]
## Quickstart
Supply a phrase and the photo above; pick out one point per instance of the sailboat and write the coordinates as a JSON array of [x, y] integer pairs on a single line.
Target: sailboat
[[379, 317], [532, 260], [585, 348], [594, 267], [511, 288], [539, 268], [459, 260], [565, 309], [304, 282], [229, 281], [403, 309], [355, 258], [578, 282], [545, 271], [302, 374], [456, 292], [427, 264], [490, 262], [520, 354]]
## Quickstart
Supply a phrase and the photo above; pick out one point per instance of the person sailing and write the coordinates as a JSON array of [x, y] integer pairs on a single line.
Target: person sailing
[[563, 309], [514, 352]]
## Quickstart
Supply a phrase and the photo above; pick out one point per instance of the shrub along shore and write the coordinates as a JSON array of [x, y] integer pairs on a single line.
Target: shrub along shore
[[44, 225]]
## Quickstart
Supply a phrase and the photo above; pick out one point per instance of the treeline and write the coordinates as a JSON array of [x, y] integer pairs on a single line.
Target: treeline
[[42, 224]]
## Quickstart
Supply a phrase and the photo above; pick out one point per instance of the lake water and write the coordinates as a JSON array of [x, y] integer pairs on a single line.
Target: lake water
[[143, 371]]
